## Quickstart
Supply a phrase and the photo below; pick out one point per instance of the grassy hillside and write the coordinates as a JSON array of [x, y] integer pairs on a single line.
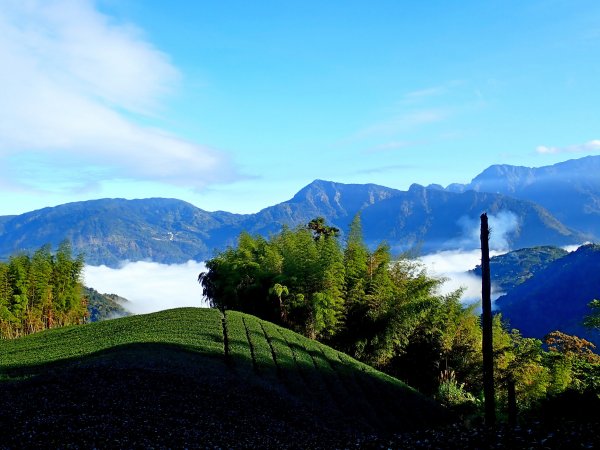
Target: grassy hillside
[[175, 378]]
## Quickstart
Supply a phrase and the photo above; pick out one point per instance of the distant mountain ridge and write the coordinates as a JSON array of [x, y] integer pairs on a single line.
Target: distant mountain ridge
[[556, 297], [109, 231], [570, 190]]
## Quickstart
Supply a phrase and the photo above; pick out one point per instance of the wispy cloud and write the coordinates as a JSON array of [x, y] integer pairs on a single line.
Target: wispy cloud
[[431, 91], [424, 93], [73, 83], [590, 146], [393, 145], [404, 122], [503, 225], [383, 169]]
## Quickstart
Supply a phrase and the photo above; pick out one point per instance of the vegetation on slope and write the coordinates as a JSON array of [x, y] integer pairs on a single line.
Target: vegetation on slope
[[513, 268], [289, 381], [104, 306], [390, 315], [557, 297], [354, 299]]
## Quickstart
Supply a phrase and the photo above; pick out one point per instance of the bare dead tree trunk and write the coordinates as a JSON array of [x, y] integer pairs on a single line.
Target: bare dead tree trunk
[[486, 324]]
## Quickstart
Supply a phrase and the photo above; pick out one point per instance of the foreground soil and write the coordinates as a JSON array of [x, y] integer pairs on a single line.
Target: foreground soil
[[160, 407]]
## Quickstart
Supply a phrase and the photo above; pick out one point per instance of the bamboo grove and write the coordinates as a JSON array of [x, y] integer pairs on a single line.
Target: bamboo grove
[[391, 314], [41, 291]]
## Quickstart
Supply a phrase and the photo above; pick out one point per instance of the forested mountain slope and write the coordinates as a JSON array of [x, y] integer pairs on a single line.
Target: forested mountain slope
[[556, 297], [104, 306], [112, 230], [513, 268]]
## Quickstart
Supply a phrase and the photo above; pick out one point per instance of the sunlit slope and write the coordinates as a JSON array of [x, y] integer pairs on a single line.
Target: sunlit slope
[[269, 367], [198, 330]]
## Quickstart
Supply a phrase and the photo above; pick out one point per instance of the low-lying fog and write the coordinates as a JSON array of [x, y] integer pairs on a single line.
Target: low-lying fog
[[149, 286], [153, 287], [453, 265]]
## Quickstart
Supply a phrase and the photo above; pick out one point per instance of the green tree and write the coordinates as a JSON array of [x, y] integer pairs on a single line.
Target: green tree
[[320, 229], [280, 290], [384, 312], [18, 273], [239, 278], [41, 291], [328, 301], [67, 294], [519, 360], [7, 318], [593, 319], [41, 279], [308, 265]]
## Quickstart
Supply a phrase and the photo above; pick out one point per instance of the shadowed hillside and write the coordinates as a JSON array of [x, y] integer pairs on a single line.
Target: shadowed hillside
[[184, 376], [513, 268], [556, 297]]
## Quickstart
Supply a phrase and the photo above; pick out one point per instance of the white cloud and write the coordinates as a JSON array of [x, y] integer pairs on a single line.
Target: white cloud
[[393, 145], [501, 226], [454, 266], [72, 82], [590, 146], [572, 248], [383, 169], [432, 91], [150, 286]]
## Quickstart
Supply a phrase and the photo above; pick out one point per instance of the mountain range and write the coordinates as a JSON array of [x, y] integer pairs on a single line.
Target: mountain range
[[431, 218], [570, 190]]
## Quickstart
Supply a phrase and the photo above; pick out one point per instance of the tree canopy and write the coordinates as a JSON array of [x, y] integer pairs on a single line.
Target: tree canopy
[[362, 301], [41, 291]]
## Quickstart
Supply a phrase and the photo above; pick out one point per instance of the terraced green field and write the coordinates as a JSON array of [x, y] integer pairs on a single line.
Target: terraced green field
[[237, 367]]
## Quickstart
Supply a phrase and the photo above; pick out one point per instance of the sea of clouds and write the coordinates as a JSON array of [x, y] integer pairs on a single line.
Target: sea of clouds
[[151, 286]]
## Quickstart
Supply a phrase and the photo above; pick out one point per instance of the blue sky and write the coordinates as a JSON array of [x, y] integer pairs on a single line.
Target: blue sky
[[237, 105]]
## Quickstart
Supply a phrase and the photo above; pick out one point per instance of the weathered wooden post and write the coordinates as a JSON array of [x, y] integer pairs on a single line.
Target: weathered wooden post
[[486, 325]]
